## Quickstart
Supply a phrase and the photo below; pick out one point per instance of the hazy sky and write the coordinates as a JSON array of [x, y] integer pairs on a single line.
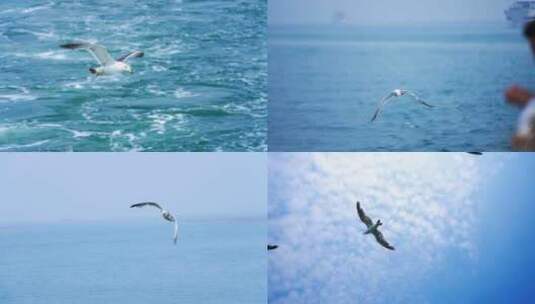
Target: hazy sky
[[385, 11], [436, 211], [93, 186]]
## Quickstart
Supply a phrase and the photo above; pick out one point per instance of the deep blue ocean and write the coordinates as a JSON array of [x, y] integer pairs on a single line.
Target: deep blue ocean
[[325, 83], [200, 87], [214, 261]]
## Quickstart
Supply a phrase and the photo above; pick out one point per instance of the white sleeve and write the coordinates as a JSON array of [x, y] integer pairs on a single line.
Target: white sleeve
[[527, 119]]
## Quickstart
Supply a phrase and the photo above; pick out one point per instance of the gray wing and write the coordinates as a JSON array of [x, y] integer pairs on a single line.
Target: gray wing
[[381, 105], [381, 240], [418, 99], [133, 54], [99, 52], [143, 204], [363, 217], [175, 236]]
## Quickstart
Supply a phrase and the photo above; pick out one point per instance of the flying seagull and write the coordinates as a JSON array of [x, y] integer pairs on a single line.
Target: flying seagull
[[373, 228], [272, 247], [475, 153], [108, 65], [397, 93], [165, 214]]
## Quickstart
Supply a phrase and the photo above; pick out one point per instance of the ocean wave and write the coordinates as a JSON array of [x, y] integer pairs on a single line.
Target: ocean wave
[[75, 133], [159, 120], [160, 51], [23, 94], [32, 9], [182, 93], [47, 55], [23, 146], [155, 90], [120, 141], [158, 68]]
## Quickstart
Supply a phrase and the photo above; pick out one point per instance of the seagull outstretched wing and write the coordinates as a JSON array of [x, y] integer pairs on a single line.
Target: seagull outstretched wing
[[175, 236], [418, 99], [99, 52], [363, 217], [143, 204], [381, 105], [381, 240], [133, 54]]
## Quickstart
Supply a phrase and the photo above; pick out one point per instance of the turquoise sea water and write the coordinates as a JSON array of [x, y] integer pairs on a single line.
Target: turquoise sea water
[[325, 83], [222, 261], [200, 87]]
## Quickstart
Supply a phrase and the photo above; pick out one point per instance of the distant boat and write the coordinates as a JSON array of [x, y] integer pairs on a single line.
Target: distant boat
[[520, 12]]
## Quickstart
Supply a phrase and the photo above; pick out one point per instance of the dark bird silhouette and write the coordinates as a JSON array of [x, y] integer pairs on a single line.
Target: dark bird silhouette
[[475, 153], [373, 228], [272, 247]]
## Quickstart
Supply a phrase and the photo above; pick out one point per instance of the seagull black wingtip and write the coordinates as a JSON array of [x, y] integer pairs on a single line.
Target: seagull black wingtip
[[70, 46]]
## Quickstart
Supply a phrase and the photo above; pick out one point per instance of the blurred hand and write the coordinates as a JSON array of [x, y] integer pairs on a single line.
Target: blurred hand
[[518, 96], [523, 143]]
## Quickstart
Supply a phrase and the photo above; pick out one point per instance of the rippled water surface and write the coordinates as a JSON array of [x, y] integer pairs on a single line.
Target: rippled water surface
[[214, 261], [200, 87], [325, 83]]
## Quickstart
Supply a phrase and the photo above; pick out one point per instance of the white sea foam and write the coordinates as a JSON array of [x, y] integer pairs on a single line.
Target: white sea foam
[[36, 8], [154, 89], [117, 141], [159, 68], [23, 94], [75, 133], [159, 121], [48, 55], [55, 55], [181, 93], [16, 147]]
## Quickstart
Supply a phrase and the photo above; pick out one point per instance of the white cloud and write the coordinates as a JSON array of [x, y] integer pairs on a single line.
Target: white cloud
[[427, 203]]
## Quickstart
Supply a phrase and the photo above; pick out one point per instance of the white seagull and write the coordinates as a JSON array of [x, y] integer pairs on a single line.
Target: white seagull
[[165, 214], [397, 93], [108, 65], [373, 228]]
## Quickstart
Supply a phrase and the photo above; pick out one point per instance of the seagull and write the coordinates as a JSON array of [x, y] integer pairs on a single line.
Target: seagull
[[397, 93], [475, 153], [165, 214], [373, 228], [108, 65], [272, 247]]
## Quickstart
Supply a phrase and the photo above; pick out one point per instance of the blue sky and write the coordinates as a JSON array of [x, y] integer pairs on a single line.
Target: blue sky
[[50, 187], [461, 225], [385, 11]]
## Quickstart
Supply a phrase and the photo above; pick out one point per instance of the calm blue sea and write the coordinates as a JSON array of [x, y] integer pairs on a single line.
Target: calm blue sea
[[325, 83], [135, 262], [200, 87]]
